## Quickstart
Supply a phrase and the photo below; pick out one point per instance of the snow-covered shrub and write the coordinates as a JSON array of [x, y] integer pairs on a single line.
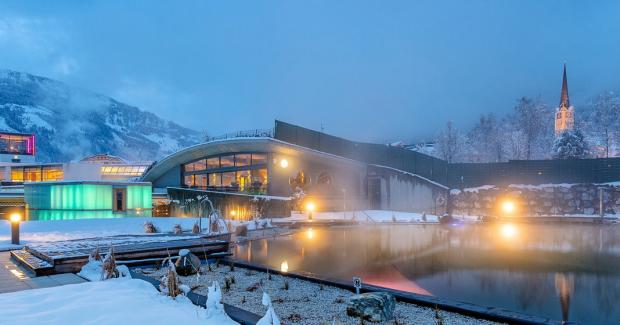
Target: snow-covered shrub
[[177, 230], [170, 284], [270, 317], [150, 228], [109, 266], [196, 228]]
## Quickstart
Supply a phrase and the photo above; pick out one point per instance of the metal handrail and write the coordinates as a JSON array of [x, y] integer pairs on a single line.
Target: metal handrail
[[256, 133]]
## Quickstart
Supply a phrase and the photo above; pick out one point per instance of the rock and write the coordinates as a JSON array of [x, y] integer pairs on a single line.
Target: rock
[[188, 263], [374, 306], [241, 230]]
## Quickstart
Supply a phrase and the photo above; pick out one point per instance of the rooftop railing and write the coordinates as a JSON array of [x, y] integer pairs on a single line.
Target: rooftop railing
[[256, 133]]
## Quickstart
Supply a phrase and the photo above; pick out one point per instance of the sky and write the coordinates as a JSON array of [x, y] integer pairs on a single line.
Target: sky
[[365, 70]]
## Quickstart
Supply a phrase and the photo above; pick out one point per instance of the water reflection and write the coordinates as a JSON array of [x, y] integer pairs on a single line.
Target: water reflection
[[547, 270]]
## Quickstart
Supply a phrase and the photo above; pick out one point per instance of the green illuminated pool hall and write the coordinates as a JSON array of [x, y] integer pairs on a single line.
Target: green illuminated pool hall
[[87, 200]]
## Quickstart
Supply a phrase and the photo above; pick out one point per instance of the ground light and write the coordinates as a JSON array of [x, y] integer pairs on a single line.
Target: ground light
[[15, 219], [310, 207], [508, 207]]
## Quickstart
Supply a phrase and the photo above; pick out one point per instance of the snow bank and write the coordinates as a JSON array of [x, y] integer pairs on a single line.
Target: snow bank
[[116, 301]]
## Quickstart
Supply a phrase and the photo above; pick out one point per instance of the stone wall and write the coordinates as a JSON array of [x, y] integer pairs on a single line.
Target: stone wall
[[548, 199]]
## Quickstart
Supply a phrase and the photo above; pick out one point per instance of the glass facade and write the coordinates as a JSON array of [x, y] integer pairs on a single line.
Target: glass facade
[[37, 173], [85, 200], [17, 144], [240, 172]]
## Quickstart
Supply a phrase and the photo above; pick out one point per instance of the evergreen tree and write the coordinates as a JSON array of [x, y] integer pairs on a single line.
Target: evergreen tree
[[570, 145]]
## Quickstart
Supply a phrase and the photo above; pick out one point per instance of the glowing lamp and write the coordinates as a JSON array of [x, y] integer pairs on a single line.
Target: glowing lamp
[[310, 206], [283, 163], [508, 207], [15, 217], [233, 213]]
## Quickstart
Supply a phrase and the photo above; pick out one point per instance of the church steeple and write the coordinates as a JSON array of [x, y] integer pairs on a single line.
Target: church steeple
[[564, 102], [564, 115]]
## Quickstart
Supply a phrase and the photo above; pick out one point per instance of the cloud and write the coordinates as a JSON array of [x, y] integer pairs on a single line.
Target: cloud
[[37, 45], [158, 97]]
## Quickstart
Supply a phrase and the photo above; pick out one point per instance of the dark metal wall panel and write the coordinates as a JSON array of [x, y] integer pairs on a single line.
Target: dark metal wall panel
[[378, 154]]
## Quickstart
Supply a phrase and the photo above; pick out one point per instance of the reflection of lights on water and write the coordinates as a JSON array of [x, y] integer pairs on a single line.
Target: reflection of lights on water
[[284, 266], [509, 230], [310, 233], [508, 207]]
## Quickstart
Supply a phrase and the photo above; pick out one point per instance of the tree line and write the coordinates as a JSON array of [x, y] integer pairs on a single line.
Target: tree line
[[527, 133]]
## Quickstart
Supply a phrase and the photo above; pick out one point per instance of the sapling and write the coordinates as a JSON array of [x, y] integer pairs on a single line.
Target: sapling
[[109, 266], [285, 285]]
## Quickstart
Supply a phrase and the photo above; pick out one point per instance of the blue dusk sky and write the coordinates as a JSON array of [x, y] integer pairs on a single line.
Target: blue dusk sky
[[365, 70]]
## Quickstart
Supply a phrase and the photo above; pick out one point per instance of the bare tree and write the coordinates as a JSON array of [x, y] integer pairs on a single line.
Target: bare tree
[[532, 119], [483, 140], [449, 143], [602, 124]]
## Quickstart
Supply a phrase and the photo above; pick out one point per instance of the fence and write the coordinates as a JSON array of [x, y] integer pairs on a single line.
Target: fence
[[535, 172]]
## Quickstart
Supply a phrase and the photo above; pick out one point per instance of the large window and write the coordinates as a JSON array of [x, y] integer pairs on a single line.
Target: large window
[[242, 172], [37, 173], [17, 144], [227, 161]]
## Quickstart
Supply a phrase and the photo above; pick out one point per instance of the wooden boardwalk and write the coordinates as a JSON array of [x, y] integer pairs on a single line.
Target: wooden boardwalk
[[69, 256]]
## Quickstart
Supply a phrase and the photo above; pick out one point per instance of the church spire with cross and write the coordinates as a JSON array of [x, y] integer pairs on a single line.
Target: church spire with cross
[[564, 114]]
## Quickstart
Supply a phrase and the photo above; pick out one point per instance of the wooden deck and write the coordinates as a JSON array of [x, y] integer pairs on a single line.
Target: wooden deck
[[69, 256]]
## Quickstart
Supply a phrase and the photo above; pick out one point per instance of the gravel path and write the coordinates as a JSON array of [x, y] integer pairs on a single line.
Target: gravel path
[[304, 302]]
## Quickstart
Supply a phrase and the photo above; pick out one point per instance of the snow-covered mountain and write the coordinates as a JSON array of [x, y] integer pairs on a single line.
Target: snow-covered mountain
[[71, 123]]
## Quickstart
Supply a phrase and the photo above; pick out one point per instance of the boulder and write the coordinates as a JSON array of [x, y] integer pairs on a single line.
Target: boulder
[[374, 307], [188, 263], [241, 230]]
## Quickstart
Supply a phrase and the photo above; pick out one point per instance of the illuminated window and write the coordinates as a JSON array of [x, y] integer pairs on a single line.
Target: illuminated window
[[52, 173], [228, 179], [243, 179], [195, 166], [259, 158], [17, 174], [227, 161], [259, 176], [215, 179], [201, 181], [189, 180], [32, 174], [243, 159], [213, 162]]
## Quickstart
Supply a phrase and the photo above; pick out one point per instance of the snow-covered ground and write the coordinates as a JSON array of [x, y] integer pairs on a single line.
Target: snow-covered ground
[[115, 301], [55, 230]]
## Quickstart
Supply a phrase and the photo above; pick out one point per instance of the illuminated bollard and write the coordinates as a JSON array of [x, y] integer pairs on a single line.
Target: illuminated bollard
[[15, 219]]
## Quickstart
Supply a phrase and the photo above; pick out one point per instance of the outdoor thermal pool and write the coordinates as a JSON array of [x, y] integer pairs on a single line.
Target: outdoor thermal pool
[[565, 272]]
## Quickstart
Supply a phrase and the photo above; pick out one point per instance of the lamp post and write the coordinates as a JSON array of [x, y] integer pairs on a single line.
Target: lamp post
[[310, 208], [15, 219]]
